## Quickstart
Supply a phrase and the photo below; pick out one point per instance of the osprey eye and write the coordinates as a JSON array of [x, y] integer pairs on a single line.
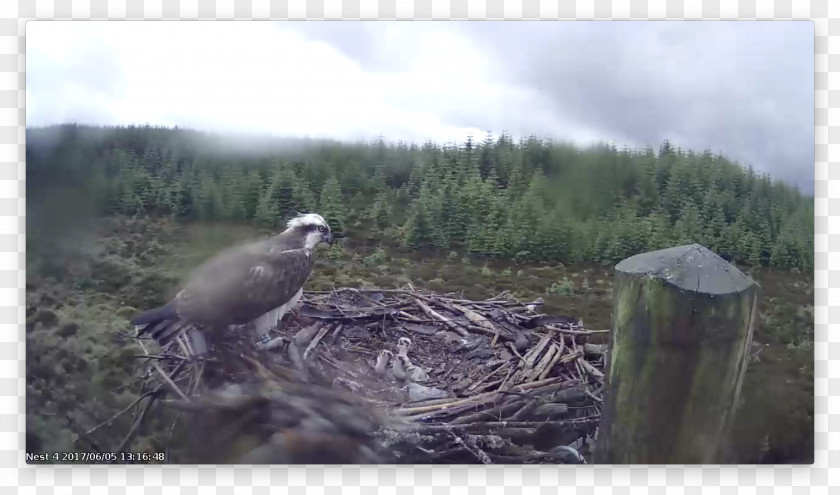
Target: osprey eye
[[322, 228]]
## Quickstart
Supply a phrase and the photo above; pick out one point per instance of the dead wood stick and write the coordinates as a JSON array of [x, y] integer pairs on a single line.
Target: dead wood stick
[[533, 386], [433, 402], [487, 331], [495, 337], [569, 331], [353, 289], [543, 364], [500, 302], [485, 425], [486, 377], [494, 413], [123, 411], [199, 372], [532, 354], [475, 400], [515, 352], [410, 317], [186, 348], [577, 367], [523, 412], [591, 370], [489, 385], [500, 295], [316, 340], [336, 366], [162, 357], [136, 425], [593, 396], [594, 349], [570, 357], [474, 317], [507, 379], [473, 449], [557, 356], [163, 375], [434, 314], [80, 434]]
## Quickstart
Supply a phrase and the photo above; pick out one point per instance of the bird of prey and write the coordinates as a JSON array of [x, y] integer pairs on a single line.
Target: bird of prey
[[253, 283]]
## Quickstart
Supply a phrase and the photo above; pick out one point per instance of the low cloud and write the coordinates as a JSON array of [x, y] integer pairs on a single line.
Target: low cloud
[[744, 89]]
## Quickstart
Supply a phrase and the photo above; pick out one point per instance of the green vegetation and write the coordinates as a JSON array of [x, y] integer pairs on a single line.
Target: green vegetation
[[566, 287], [117, 217], [531, 200]]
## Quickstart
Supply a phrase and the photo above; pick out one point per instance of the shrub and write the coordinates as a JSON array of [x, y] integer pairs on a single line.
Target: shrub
[[378, 257], [564, 288], [336, 252]]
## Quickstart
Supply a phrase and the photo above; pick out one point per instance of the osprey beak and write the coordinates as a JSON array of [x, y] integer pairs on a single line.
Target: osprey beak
[[328, 238]]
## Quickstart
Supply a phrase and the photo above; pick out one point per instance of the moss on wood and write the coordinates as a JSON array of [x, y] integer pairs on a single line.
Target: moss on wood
[[677, 361]]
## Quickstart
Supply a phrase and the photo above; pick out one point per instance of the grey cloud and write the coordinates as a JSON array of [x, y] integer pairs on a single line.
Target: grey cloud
[[744, 89]]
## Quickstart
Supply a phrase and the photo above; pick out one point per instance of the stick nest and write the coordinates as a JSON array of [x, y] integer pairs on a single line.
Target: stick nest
[[505, 384]]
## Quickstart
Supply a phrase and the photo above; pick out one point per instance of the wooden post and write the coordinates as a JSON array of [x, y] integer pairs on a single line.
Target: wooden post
[[682, 327]]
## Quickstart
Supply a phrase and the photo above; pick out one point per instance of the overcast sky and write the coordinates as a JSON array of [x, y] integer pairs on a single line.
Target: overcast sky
[[741, 88]]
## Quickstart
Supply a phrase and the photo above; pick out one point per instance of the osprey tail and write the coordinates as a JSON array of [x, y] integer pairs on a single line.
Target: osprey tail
[[162, 324]]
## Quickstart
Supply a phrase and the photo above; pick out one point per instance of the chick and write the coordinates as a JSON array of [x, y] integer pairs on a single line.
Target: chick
[[404, 369], [403, 345], [415, 373], [382, 361], [399, 367]]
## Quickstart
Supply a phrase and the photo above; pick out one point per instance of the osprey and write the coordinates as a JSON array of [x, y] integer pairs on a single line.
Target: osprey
[[254, 283]]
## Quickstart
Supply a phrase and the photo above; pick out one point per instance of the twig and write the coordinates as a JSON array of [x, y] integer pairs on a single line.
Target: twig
[[487, 376], [473, 449], [434, 314], [123, 411], [569, 331], [485, 425], [136, 425], [557, 356], [593, 396], [162, 357], [542, 365], [591, 369], [82, 436], [165, 377], [323, 331], [197, 382]]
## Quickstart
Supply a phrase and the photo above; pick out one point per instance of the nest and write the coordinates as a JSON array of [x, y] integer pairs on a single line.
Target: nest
[[500, 383]]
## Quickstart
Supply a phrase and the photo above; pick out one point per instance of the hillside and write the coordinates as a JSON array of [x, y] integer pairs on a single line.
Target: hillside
[[537, 218], [531, 200]]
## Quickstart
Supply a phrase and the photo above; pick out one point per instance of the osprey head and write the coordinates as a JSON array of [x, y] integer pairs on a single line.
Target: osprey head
[[312, 227]]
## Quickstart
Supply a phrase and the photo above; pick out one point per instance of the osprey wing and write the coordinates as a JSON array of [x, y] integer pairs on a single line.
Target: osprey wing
[[242, 284]]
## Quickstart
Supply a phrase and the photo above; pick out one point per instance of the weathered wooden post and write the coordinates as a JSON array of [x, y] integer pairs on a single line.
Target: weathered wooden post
[[682, 327]]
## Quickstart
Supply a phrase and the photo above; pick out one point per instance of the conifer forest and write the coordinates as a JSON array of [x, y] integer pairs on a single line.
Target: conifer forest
[[529, 200]]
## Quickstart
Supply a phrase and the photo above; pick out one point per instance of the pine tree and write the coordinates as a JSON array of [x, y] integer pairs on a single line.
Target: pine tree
[[332, 206], [536, 199], [266, 213]]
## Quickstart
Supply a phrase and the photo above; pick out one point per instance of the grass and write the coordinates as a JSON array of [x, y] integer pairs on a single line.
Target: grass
[[81, 296]]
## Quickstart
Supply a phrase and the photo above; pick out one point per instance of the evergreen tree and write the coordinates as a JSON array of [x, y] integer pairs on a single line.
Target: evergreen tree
[[533, 199], [332, 206]]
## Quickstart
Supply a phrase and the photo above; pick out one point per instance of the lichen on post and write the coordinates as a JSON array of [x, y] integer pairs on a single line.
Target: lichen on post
[[682, 326]]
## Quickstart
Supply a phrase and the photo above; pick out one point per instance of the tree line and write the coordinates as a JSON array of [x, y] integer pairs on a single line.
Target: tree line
[[530, 199]]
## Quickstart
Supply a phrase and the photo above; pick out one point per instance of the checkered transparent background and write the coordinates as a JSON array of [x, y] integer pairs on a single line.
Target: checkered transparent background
[[438, 479]]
